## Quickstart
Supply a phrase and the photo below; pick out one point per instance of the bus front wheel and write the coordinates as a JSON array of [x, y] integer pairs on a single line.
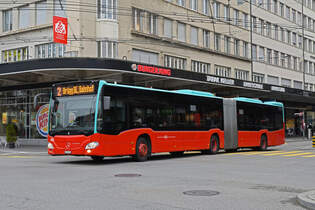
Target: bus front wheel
[[263, 143], [142, 150]]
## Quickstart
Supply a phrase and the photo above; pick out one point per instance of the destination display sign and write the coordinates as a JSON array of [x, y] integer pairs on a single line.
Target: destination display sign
[[74, 89]]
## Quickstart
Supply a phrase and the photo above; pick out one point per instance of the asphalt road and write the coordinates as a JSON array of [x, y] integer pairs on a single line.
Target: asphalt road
[[242, 180]]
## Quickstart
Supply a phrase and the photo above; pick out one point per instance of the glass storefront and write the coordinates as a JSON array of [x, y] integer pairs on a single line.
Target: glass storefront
[[17, 107]]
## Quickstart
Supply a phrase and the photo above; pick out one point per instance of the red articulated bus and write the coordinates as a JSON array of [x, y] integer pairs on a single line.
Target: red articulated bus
[[100, 119]]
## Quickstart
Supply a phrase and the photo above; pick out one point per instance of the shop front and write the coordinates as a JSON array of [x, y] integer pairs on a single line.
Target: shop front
[[17, 107]]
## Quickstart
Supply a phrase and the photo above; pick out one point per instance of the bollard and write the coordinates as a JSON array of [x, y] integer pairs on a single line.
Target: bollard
[[313, 141]]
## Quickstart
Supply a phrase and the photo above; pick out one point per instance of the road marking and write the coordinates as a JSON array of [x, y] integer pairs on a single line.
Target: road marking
[[249, 153], [309, 156], [281, 153], [261, 153], [300, 154], [14, 156]]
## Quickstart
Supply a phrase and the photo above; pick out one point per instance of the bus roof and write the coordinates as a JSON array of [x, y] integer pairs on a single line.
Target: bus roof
[[257, 101], [183, 91]]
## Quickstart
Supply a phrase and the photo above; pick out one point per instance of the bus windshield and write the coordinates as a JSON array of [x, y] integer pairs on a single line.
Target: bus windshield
[[72, 115]]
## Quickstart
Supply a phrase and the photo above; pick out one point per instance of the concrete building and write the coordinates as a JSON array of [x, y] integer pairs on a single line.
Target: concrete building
[[202, 36]]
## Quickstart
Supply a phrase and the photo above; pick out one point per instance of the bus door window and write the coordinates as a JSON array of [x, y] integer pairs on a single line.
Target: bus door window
[[114, 115]]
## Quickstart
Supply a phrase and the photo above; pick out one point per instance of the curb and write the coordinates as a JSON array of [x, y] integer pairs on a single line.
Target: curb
[[307, 199]]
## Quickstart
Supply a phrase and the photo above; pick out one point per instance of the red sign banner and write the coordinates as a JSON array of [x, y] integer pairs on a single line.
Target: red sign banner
[[60, 30]]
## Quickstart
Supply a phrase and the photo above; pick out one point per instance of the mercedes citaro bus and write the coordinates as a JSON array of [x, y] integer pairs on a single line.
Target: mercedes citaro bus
[[101, 119]]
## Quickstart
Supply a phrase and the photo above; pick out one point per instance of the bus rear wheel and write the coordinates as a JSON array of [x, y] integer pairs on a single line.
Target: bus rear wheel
[[142, 150], [214, 145], [97, 158], [263, 143]]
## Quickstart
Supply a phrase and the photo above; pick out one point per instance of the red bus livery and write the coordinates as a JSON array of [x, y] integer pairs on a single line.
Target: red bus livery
[[118, 120]]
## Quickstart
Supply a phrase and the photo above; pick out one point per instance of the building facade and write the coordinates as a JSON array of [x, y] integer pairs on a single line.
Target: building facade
[[208, 37]]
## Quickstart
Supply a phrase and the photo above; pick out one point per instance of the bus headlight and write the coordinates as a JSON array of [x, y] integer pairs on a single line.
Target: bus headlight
[[91, 145], [50, 146]]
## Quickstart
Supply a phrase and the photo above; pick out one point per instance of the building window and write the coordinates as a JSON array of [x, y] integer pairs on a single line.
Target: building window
[[6, 20], [41, 11], [273, 80], [227, 47], [138, 19], [289, 61], [254, 22], [245, 21], [275, 6], [293, 15], [269, 56], [107, 9], [236, 17], [226, 13], [153, 23], [268, 29], [216, 10], [107, 49], [181, 32], [241, 74], [289, 37], [24, 17], [194, 35], [259, 78], [281, 9], [282, 60], [200, 67], [193, 5], [217, 41], [145, 57], [254, 52], [285, 82], [168, 28], [49, 50], [206, 38], [276, 31], [236, 47], [276, 57], [282, 36], [261, 54], [222, 71], [294, 63], [297, 84], [174, 62], [300, 41], [294, 38], [245, 49], [206, 7], [14, 55], [181, 3], [299, 18], [288, 13], [310, 68], [59, 8]]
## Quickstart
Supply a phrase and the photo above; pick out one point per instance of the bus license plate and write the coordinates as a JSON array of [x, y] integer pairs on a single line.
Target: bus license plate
[[67, 152]]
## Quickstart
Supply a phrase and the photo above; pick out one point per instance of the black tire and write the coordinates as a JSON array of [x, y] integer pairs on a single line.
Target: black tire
[[97, 158], [214, 145], [143, 150], [263, 143], [177, 154]]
